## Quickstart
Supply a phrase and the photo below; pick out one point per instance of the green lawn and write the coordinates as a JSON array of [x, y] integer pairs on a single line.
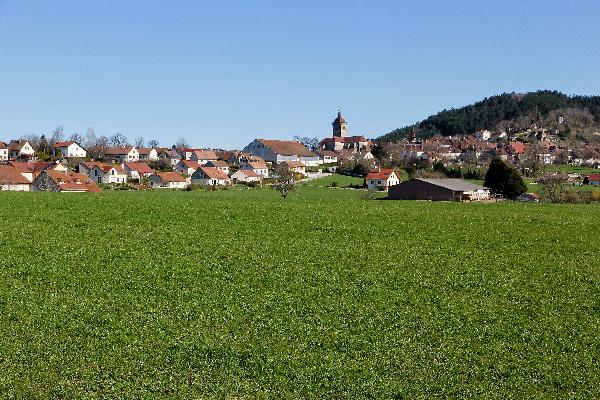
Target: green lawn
[[241, 293]]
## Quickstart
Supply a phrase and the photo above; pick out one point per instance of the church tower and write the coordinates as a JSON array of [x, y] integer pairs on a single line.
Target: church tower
[[340, 126]]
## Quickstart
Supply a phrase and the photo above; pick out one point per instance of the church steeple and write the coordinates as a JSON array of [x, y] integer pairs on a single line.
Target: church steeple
[[340, 126]]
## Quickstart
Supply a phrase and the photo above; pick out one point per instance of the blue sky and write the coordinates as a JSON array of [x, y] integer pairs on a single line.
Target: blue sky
[[221, 73]]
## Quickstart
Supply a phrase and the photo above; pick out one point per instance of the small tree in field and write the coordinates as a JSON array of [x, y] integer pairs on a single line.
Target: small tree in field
[[504, 179], [285, 182], [553, 187]]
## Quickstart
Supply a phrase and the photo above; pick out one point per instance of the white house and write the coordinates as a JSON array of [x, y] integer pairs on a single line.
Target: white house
[[104, 173], [3, 152], [20, 149], [86, 167], [296, 167], [147, 154], [68, 150], [170, 155], [122, 154], [168, 180], [137, 170], [247, 176], [186, 167], [328, 157], [483, 134], [210, 176], [259, 167], [382, 179], [282, 150]]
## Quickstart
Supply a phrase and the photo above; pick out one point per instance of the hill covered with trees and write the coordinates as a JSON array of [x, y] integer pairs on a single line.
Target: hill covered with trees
[[513, 112]]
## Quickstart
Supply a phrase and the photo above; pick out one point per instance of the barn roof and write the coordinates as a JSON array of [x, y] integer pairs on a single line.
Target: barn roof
[[456, 185]]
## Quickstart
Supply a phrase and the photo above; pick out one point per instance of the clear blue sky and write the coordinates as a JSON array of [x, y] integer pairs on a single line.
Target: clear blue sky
[[221, 73]]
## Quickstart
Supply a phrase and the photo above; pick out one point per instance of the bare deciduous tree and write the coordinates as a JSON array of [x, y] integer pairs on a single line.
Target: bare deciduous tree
[[118, 140]]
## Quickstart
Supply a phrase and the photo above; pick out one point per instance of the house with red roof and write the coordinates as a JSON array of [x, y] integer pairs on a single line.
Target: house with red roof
[[210, 176], [20, 150], [168, 180], [171, 155], [382, 179], [122, 154], [107, 173], [31, 170], [592, 179], [137, 170], [186, 167], [147, 154], [68, 150], [11, 179], [296, 167], [203, 156], [258, 167], [68, 182], [219, 164], [245, 175]]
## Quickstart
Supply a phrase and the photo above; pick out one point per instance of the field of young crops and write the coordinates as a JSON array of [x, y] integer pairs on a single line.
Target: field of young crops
[[323, 294]]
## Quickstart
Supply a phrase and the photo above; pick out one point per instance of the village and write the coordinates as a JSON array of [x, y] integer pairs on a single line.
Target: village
[[70, 167]]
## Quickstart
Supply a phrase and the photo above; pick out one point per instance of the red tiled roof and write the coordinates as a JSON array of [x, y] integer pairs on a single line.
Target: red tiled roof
[[31, 167], [257, 164], [287, 148], [108, 167], [218, 163], [72, 181], [594, 177], [190, 163], [90, 164], [10, 175], [250, 173], [141, 167], [117, 151], [17, 145], [349, 139], [518, 147], [294, 164], [3, 145], [205, 155], [383, 174], [214, 173], [170, 176], [62, 144], [145, 151], [172, 154]]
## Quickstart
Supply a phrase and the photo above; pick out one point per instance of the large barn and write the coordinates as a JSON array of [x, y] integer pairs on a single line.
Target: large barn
[[438, 189]]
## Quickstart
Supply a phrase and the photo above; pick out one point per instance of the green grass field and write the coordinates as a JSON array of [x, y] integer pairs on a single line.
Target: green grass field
[[241, 294]]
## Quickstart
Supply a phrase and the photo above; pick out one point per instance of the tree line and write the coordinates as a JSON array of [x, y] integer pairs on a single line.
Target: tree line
[[93, 143]]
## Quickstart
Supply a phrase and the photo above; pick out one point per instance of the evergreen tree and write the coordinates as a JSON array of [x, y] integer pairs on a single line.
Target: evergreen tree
[[504, 179]]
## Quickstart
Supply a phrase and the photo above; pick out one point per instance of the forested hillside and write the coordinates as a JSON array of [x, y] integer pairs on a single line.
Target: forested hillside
[[581, 116]]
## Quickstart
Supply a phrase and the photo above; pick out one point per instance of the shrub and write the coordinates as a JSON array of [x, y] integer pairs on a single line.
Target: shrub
[[504, 179]]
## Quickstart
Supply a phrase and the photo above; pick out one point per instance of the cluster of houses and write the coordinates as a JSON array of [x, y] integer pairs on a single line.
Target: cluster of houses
[[20, 171], [190, 166], [484, 145]]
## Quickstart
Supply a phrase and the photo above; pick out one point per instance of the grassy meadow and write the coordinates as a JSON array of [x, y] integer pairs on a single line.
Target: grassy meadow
[[242, 294]]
